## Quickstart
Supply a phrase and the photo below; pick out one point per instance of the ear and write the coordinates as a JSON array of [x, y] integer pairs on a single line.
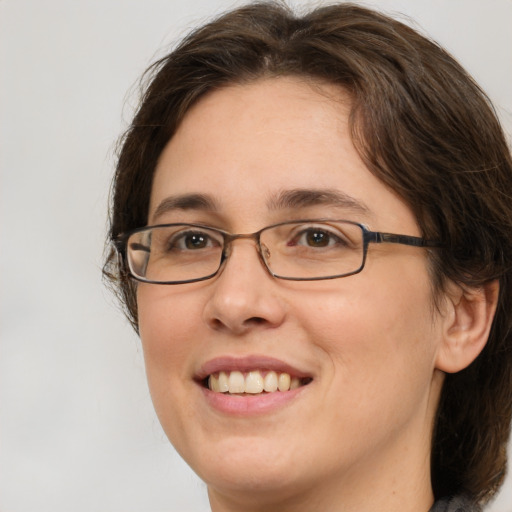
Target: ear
[[466, 325]]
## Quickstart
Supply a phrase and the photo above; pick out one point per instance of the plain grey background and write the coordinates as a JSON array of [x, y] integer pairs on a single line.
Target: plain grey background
[[77, 429]]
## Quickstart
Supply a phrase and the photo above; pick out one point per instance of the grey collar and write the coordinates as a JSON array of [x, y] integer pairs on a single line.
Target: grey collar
[[455, 504]]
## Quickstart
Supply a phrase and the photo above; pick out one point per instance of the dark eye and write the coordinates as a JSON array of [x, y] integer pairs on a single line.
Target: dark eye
[[193, 241], [316, 238]]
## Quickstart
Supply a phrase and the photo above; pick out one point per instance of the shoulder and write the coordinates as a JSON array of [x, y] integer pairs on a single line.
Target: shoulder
[[455, 504]]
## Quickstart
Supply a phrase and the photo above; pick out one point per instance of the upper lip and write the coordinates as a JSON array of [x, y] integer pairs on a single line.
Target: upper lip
[[248, 363]]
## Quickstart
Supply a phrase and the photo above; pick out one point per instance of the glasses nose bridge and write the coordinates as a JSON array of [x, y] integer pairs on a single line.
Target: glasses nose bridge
[[230, 238]]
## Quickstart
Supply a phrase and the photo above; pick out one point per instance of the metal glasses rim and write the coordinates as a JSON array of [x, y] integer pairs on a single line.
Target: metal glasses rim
[[123, 237], [369, 236]]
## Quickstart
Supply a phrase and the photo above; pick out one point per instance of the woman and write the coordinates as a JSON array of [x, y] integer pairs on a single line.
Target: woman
[[312, 224]]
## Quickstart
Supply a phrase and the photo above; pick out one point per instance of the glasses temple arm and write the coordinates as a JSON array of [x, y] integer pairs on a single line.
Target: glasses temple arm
[[392, 238]]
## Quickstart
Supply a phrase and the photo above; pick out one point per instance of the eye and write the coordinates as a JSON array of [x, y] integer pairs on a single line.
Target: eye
[[316, 237], [193, 241]]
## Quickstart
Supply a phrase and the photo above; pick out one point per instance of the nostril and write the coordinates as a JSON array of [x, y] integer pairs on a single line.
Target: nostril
[[216, 324], [240, 328], [255, 320]]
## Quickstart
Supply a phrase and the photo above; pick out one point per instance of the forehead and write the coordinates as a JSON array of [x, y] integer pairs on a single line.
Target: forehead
[[246, 144], [242, 126]]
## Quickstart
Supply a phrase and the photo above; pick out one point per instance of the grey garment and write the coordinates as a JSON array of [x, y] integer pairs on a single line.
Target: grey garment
[[457, 504]]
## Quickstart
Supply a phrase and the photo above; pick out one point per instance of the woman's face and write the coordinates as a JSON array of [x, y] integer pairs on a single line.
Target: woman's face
[[363, 347]]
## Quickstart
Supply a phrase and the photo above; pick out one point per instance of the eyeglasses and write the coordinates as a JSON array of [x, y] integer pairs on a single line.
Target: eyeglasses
[[300, 250]]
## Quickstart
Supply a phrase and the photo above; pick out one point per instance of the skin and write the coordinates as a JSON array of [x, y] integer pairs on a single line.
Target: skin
[[374, 345]]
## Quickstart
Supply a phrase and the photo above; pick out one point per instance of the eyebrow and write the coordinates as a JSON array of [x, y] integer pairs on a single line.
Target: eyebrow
[[202, 202], [302, 198], [286, 199]]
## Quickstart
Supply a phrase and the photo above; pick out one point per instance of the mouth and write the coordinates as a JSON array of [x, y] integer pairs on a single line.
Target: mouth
[[253, 382], [253, 375]]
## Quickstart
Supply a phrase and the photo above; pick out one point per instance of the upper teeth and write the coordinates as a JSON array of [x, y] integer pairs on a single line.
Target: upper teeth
[[252, 382]]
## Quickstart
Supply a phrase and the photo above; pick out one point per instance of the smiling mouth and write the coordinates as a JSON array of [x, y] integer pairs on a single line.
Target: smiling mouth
[[253, 382]]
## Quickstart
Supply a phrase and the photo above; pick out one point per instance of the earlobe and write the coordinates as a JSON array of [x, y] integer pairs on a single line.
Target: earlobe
[[466, 325]]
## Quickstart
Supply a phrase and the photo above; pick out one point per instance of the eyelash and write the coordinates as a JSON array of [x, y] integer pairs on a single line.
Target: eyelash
[[182, 238], [332, 237]]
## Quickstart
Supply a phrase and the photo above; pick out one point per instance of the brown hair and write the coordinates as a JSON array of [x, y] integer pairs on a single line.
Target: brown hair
[[422, 126]]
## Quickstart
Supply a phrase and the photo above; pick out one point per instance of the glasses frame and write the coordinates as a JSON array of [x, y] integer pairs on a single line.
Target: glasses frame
[[369, 237]]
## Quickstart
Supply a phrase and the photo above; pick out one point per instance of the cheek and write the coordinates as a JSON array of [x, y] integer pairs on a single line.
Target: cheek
[[378, 340], [167, 318], [159, 333], [167, 322]]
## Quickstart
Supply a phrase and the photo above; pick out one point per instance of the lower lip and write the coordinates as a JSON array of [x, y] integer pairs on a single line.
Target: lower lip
[[250, 405]]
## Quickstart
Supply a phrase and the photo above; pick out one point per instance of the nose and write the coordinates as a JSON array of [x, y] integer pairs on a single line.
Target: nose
[[244, 295]]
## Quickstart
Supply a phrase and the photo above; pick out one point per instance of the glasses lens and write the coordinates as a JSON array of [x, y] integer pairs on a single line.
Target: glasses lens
[[174, 253], [313, 250]]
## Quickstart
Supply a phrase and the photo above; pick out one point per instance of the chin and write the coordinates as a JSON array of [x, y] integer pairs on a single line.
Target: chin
[[248, 464]]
